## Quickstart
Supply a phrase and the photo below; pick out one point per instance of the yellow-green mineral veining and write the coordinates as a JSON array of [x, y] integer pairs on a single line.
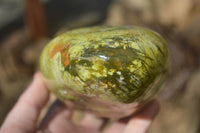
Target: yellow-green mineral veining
[[115, 63]]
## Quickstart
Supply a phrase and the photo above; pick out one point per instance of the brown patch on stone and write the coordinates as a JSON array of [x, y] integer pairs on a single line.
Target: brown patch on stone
[[63, 49]]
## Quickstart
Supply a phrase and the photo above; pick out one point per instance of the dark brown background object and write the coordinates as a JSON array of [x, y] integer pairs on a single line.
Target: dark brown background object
[[35, 19]]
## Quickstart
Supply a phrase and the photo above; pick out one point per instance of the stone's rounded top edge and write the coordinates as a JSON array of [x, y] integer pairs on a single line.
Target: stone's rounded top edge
[[95, 33], [102, 28]]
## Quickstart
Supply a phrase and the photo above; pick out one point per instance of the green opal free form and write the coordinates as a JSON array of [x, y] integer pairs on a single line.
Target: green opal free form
[[113, 64]]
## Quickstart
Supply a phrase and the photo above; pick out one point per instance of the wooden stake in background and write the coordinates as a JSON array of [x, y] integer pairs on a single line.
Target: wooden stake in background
[[35, 19]]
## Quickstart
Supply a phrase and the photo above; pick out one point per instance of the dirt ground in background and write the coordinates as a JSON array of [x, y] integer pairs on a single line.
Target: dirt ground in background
[[179, 23]]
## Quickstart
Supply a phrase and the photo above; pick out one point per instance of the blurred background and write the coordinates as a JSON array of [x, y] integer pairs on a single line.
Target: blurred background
[[26, 26]]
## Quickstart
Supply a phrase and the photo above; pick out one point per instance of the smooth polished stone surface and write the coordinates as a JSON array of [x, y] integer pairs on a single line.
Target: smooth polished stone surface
[[108, 64]]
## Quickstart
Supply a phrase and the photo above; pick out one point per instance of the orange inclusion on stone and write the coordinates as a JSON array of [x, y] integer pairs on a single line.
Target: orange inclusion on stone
[[63, 49]]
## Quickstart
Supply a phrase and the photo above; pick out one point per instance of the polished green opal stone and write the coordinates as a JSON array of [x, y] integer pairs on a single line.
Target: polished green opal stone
[[122, 64]]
